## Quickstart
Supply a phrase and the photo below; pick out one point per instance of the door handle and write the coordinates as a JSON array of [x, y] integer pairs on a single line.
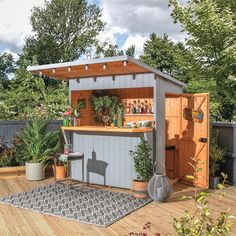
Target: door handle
[[203, 140]]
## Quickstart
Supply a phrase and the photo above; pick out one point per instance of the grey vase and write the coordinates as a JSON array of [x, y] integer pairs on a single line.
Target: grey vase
[[159, 187]]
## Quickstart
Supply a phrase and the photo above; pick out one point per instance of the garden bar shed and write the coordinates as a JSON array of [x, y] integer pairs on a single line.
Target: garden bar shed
[[179, 134]]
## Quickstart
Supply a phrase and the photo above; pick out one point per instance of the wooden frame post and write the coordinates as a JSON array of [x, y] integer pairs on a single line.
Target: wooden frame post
[[159, 105]]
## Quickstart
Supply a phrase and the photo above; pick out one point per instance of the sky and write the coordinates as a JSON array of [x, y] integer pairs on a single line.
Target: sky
[[127, 22]]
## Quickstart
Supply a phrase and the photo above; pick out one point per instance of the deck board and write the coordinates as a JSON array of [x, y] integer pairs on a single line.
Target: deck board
[[15, 221]]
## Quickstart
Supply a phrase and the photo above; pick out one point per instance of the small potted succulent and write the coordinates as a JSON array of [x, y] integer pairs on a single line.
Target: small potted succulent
[[61, 167], [143, 167]]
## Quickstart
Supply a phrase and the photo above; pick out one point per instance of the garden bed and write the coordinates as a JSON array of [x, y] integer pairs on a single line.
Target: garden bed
[[12, 171], [6, 172]]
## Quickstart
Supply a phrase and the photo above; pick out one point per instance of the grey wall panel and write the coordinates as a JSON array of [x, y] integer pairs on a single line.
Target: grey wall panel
[[124, 81], [107, 159], [172, 87], [226, 133]]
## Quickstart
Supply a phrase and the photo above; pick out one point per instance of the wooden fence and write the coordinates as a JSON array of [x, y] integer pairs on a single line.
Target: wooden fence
[[226, 133], [9, 128]]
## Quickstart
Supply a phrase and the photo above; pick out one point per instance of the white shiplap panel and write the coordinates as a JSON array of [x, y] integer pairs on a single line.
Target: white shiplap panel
[[121, 81], [111, 149]]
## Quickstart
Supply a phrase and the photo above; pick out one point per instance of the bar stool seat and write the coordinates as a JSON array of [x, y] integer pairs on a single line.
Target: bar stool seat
[[72, 156]]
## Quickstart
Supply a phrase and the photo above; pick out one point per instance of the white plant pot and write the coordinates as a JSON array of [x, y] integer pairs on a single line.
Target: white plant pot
[[34, 171]]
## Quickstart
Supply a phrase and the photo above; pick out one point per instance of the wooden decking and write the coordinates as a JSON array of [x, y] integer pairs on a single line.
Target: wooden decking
[[14, 221]]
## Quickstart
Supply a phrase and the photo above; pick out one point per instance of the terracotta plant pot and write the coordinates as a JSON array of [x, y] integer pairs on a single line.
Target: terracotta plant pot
[[60, 172], [140, 189]]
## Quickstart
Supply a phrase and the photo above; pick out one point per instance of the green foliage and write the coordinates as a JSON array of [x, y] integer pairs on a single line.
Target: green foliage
[[7, 158], [7, 65], [29, 98], [130, 51], [142, 160], [107, 50], [216, 156], [63, 30], [38, 144], [211, 28], [204, 220], [104, 105], [173, 59]]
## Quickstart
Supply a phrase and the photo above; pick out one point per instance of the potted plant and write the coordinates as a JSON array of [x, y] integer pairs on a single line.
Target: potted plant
[[216, 157], [76, 114], [38, 148], [61, 167], [143, 167]]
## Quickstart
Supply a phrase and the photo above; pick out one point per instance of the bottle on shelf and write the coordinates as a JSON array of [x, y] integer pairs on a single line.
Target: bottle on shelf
[[142, 108], [146, 107], [134, 109], [115, 121], [139, 107]]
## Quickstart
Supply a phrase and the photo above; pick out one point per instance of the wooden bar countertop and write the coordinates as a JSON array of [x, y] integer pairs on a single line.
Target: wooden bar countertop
[[107, 129]]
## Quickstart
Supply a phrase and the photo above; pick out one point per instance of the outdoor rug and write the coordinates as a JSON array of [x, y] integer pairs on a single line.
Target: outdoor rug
[[84, 204]]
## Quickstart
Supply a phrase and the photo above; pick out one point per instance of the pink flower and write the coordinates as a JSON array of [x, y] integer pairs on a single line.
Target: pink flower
[[68, 112]]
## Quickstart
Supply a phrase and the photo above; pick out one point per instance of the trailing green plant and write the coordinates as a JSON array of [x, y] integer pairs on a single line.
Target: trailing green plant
[[142, 160], [204, 220], [38, 144], [104, 105], [216, 156]]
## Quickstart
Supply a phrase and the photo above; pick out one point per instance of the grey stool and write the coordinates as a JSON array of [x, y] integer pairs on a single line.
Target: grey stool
[[73, 156]]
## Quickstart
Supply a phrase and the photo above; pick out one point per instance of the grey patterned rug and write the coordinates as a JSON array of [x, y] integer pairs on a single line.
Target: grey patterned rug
[[84, 204]]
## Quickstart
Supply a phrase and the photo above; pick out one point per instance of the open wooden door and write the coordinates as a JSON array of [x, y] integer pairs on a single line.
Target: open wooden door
[[187, 119]]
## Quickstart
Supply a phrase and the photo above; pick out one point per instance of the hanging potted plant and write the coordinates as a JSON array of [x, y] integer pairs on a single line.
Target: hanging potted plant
[[216, 157], [143, 167], [38, 148]]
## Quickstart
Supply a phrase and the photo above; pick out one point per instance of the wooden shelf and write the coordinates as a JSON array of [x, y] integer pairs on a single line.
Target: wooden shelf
[[107, 129], [139, 114]]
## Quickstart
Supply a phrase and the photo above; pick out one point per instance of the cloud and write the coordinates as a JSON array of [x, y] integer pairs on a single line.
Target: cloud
[[128, 22], [139, 18], [15, 22], [15, 55], [136, 40]]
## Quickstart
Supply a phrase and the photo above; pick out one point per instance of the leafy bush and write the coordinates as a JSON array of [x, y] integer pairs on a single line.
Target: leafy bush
[[142, 160], [204, 220], [8, 159]]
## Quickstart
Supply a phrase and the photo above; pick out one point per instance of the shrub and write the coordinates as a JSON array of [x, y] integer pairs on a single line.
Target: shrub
[[142, 160], [204, 220]]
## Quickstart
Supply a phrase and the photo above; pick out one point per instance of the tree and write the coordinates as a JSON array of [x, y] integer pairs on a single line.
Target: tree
[[211, 28], [107, 50], [62, 30], [27, 97], [173, 59], [7, 66], [130, 51]]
